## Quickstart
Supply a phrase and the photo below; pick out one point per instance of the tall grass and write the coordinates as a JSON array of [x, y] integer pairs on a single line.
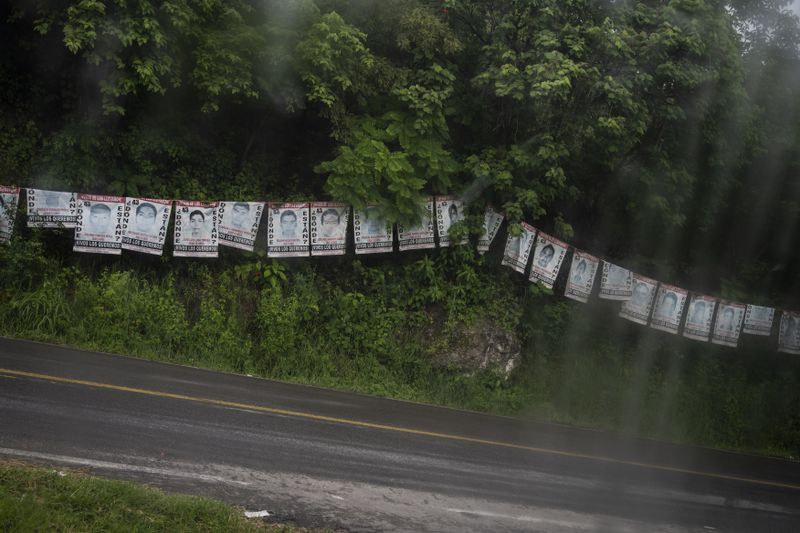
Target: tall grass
[[35, 499]]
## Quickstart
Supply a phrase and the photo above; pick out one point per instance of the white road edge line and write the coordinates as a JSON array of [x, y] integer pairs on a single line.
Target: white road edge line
[[124, 467], [522, 518]]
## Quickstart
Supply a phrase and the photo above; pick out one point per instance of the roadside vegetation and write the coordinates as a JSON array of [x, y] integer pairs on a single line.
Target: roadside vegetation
[[661, 135], [375, 327], [36, 499]]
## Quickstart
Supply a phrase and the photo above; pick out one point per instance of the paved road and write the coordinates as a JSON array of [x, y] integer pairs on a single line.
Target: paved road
[[357, 463]]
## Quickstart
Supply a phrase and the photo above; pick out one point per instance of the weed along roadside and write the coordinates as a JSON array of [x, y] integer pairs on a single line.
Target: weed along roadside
[[33, 498]]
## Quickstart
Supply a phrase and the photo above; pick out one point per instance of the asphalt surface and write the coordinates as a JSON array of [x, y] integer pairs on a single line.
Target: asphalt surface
[[358, 463]]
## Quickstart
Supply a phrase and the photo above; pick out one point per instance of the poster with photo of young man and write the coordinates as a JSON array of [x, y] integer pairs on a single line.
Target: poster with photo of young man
[[196, 233], [668, 309], [99, 224], [418, 236], [9, 200], [238, 224], [492, 220], [51, 209], [518, 248], [371, 233], [728, 323], [638, 307], [547, 259], [288, 230], [449, 211], [329, 228], [581, 276], [144, 225], [616, 283]]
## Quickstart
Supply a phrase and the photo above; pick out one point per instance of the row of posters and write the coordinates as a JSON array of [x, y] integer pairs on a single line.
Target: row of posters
[[644, 300], [110, 224]]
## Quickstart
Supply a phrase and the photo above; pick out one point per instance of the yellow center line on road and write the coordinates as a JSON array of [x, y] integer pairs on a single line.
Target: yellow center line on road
[[358, 423]]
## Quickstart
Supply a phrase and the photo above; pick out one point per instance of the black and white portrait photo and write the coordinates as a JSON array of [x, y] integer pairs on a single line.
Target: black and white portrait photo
[[449, 211], [51, 209], [288, 228], [789, 334], [518, 248], [420, 235], [728, 323], [616, 283], [492, 220], [547, 259], [238, 224], [145, 224], [668, 310], [371, 233], [329, 228], [581, 277], [196, 229], [99, 224], [637, 308]]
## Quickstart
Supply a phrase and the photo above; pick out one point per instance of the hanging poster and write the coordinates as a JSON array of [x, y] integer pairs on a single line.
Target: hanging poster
[[329, 228], [728, 323], [287, 230], [51, 209], [196, 233], [418, 236], [789, 333], [99, 224], [668, 309], [9, 199], [616, 282], [637, 308], [581, 276], [144, 225], [449, 211], [492, 220], [371, 233], [518, 248], [698, 317], [758, 320], [238, 224], [547, 259]]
